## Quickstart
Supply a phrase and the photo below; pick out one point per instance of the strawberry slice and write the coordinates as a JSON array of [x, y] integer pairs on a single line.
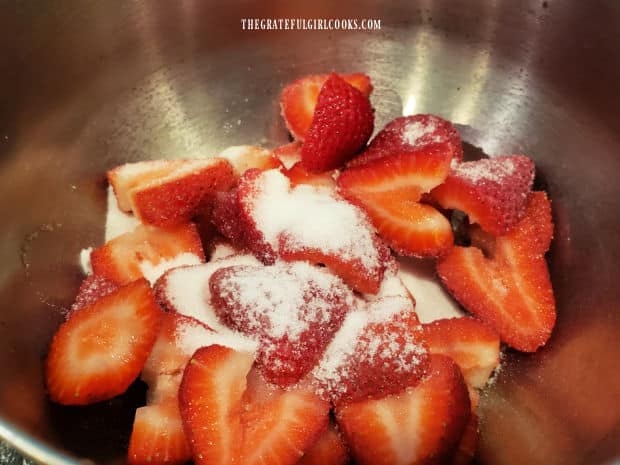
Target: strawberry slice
[[147, 251], [511, 291], [265, 215], [292, 308], [299, 99], [228, 425], [178, 338], [299, 175], [470, 343], [157, 437], [245, 157], [329, 449], [99, 351], [378, 350], [163, 388], [466, 450], [419, 425], [493, 192], [342, 123], [280, 425], [388, 189], [93, 287], [166, 193], [410, 134]]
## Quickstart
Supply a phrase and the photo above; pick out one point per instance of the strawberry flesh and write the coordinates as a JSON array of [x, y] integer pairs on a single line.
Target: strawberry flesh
[[510, 291]]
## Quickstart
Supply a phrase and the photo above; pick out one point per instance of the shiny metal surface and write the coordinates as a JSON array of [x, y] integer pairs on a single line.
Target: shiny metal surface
[[90, 84]]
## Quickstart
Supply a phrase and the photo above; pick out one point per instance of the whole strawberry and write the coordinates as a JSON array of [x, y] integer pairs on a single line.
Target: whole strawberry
[[342, 123]]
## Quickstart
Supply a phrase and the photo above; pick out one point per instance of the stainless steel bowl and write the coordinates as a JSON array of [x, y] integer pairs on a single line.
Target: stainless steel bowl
[[88, 85]]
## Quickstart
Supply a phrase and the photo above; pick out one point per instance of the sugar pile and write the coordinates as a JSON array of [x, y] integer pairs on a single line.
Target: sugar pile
[[152, 272], [191, 336]]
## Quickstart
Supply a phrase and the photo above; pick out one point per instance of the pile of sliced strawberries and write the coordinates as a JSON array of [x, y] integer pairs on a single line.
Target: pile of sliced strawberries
[[259, 297]]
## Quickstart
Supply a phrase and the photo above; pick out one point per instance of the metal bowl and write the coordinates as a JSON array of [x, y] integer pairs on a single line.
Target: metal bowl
[[88, 85]]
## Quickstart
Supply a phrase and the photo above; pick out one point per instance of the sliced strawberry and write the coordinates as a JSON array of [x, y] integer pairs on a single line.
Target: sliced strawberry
[[493, 191], [419, 425], [378, 350], [471, 344], [178, 338], [293, 309], [410, 134], [269, 218], [167, 197], [93, 287], [510, 291], [299, 99], [329, 449], [163, 388], [157, 437], [210, 402], [288, 154], [466, 450], [388, 190], [245, 157], [147, 251], [99, 351], [280, 425], [299, 175], [342, 123]]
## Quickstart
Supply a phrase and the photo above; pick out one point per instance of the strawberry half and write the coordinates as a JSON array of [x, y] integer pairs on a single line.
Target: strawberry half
[[299, 99], [99, 351], [292, 308], [227, 424], [289, 154], [419, 425], [378, 350], [169, 192], [409, 134], [511, 291], [470, 343], [245, 157], [342, 123], [493, 192], [329, 449], [147, 251], [157, 437], [388, 189]]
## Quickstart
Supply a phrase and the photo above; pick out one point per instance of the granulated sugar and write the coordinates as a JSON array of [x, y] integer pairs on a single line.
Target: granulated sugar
[[85, 264], [192, 336], [491, 169], [416, 130], [152, 272], [187, 289], [117, 222], [312, 218]]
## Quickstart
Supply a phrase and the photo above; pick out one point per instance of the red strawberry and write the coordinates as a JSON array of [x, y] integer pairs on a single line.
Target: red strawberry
[[342, 123], [468, 444], [157, 437], [228, 425], [163, 388], [511, 290], [142, 251], [329, 449], [178, 338], [409, 134], [388, 190], [470, 343], [93, 287], [493, 192], [99, 351], [299, 99], [269, 218], [245, 157], [165, 193], [280, 425], [293, 310], [289, 154], [378, 350], [420, 425], [299, 175]]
